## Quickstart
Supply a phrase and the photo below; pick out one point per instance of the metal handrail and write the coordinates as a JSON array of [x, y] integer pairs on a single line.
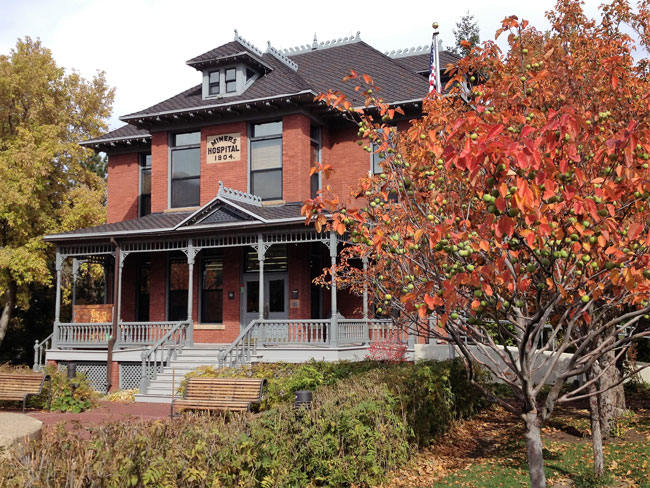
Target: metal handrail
[[241, 349], [162, 352], [39, 352]]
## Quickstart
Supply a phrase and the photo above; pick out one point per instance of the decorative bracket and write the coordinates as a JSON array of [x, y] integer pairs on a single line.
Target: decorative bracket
[[123, 256], [261, 247], [190, 251], [332, 244], [60, 259]]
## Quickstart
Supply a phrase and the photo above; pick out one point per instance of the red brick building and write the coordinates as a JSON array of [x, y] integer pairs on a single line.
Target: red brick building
[[204, 244]]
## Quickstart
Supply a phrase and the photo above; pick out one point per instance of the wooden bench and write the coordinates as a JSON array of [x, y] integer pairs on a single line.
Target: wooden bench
[[17, 387], [236, 394]]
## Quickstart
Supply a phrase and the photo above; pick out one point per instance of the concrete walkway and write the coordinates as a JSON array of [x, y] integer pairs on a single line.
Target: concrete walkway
[[17, 427], [106, 412]]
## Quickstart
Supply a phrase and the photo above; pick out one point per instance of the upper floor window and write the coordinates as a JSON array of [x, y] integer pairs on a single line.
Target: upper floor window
[[266, 160], [231, 80], [145, 184], [228, 81], [315, 156], [185, 184], [214, 80]]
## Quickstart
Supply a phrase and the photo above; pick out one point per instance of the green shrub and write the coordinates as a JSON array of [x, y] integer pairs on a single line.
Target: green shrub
[[433, 394], [354, 433], [74, 395], [365, 419]]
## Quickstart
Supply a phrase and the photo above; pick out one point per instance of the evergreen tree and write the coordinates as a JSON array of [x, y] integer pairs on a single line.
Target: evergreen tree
[[466, 30]]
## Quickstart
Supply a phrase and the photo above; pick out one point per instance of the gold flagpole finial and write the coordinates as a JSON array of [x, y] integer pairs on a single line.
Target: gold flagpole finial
[[435, 25]]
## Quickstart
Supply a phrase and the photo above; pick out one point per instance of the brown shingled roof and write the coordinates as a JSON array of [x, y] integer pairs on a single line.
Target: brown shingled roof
[[419, 63], [125, 132]]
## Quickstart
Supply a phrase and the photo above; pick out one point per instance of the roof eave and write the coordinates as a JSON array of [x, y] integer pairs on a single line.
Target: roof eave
[[95, 143], [223, 60], [134, 117], [54, 238]]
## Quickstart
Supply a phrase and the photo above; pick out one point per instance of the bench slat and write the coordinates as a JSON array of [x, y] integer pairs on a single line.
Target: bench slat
[[17, 387], [220, 394]]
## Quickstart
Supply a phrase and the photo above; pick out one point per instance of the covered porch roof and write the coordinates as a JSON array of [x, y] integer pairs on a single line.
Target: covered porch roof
[[229, 210]]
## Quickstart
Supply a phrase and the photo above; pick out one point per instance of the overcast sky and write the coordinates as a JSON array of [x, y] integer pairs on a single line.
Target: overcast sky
[[142, 45]]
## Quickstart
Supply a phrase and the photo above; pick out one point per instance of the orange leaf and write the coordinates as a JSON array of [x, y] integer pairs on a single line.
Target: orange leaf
[[634, 231]]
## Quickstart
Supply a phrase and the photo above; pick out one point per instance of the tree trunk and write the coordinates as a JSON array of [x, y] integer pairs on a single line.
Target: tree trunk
[[611, 404], [7, 309], [596, 434], [533, 438]]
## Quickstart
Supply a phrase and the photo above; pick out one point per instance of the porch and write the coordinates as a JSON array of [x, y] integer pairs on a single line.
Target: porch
[[255, 335]]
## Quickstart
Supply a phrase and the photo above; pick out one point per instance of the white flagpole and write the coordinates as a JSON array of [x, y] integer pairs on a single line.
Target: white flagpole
[[438, 81]]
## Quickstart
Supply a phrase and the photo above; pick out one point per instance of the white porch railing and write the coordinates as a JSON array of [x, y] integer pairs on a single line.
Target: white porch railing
[[39, 352], [355, 331], [162, 352], [308, 332], [83, 335], [96, 335], [143, 333]]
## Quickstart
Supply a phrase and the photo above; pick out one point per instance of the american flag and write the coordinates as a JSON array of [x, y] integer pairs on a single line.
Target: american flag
[[433, 83]]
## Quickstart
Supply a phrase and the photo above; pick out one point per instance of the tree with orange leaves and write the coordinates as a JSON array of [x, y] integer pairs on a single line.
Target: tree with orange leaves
[[520, 227]]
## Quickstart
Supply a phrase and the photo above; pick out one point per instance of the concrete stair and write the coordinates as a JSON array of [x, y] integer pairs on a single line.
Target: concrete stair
[[160, 390]]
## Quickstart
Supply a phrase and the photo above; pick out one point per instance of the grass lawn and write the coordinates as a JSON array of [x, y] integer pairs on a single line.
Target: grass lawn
[[488, 451]]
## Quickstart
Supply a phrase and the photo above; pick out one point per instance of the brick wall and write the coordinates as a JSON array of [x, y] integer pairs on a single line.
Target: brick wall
[[123, 187], [349, 161], [295, 158], [233, 174], [299, 279], [159, 171], [158, 286]]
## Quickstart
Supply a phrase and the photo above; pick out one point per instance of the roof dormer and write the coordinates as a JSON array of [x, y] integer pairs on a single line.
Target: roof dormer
[[230, 69]]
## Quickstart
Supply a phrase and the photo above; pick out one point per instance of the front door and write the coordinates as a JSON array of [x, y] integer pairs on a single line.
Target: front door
[[276, 297]]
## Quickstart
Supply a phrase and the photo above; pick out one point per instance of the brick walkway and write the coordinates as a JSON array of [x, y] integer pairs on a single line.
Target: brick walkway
[[106, 412]]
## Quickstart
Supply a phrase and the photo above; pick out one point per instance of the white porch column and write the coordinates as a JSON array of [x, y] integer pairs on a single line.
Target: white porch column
[[190, 287], [261, 252], [57, 304], [334, 332], [118, 303], [364, 260]]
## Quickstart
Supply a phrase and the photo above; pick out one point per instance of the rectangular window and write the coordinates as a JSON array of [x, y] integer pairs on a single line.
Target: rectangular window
[[266, 160], [145, 184], [142, 288], [177, 294], [212, 289], [315, 156], [186, 170], [231, 80], [213, 82], [275, 259]]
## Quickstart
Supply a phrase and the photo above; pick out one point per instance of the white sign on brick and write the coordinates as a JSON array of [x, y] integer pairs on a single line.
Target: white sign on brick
[[223, 148]]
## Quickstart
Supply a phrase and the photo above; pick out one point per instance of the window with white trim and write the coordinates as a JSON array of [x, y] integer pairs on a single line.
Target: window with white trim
[[185, 184], [266, 160], [212, 289], [145, 184]]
